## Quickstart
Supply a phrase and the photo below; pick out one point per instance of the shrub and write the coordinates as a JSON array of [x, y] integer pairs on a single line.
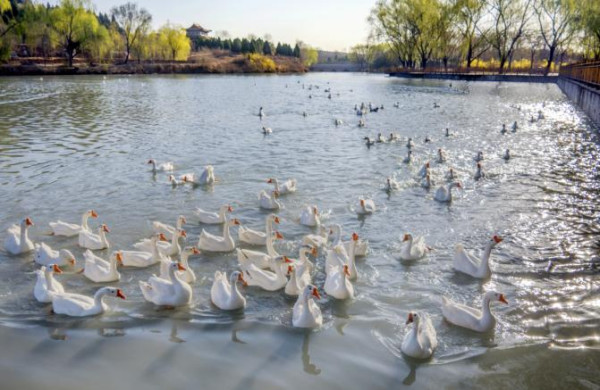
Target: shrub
[[260, 63]]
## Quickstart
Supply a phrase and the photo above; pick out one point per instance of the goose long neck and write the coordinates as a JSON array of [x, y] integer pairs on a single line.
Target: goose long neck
[[49, 278], [84, 221], [154, 248], [226, 233], [98, 297], [102, 235], [184, 258], [23, 234], [276, 182], [270, 248], [153, 166], [485, 308], [269, 226], [485, 260], [234, 290]]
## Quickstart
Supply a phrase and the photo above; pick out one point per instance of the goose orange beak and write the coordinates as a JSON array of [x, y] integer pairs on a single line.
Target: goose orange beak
[[162, 237], [236, 221], [195, 251], [362, 203], [56, 269], [410, 318], [354, 237], [279, 236], [287, 259], [120, 294], [28, 221], [276, 194], [72, 261], [458, 185], [315, 210], [270, 181], [276, 220], [180, 267], [105, 228], [314, 251], [290, 269], [498, 239], [93, 214], [315, 293], [120, 257], [150, 161], [230, 209], [241, 279], [503, 299], [346, 271], [183, 220], [183, 233]]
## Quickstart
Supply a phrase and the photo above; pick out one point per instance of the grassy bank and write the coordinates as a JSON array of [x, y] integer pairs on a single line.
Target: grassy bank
[[205, 61]]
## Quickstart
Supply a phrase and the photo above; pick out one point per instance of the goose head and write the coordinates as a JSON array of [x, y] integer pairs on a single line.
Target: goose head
[[274, 218], [312, 291], [237, 276], [491, 296], [447, 132], [451, 173], [412, 317], [118, 256], [495, 240], [315, 210], [161, 237], [112, 291], [355, 237], [27, 222], [278, 236], [181, 219], [92, 214], [407, 237], [290, 270], [191, 250], [53, 268], [456, 184], [151, 161], [181, 233], [66, 255], [175, 266], [234, 222], [346, 270], [104, 228]]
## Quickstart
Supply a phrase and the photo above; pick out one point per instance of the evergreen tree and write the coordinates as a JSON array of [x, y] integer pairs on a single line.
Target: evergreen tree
[[296, 52], [236, 45], [245, 46], [267, 50]]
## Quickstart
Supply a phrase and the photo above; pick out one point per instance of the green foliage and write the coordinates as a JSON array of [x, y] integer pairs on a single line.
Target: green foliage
[[297, 52], [133, 22], [236, 45], [174, 42], [308, 55]]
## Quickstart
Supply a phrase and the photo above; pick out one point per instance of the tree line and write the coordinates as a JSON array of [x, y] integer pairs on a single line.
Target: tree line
[[248, 45], [73, 29], [415, 32]]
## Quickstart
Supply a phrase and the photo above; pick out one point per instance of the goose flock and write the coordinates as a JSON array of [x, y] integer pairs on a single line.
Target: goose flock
[[265, 269]]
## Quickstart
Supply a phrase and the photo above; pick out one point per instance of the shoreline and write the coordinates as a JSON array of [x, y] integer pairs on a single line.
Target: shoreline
[[526, 78]]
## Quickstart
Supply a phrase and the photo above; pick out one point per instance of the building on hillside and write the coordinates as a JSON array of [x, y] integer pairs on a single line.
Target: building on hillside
[[196, 31]]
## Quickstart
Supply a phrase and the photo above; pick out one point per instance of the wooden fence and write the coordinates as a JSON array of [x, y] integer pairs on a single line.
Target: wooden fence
[[586, 72]]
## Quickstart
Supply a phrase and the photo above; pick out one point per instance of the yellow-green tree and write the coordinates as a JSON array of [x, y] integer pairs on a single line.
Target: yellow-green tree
[[309, 55], [35, 29], [590, 23], [78, 28], [134, 22], [175, 41]]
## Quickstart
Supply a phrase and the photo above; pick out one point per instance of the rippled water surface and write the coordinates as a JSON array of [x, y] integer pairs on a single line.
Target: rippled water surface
[[69, 144]]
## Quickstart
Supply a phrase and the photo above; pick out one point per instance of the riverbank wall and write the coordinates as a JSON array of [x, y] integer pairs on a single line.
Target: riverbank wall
[[477, 77], [586, 97]]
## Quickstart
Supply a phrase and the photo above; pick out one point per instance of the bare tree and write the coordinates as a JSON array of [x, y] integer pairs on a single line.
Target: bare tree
[[558, 23], [469, 16], [509, 20], [133, 21]]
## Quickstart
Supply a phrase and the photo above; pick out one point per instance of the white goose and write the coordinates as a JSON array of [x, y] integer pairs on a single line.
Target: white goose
[[162, 167], [413, 249], [361, 248], [188, 276], [46, 287], [99, 270], [506, 155], [141, 259], [171, 292], [471, 318], [168, 230], [300, 272], [267, 280], [441, 156], [93, 241], [211, 218], [317, 240], [444, 194], [306, 313], [18, 241], [208, 176], [365, 206], [469, 264], [391, 184], [309, 216], [60, 228], [267, 130], [421, 341], [174, 182], [287, 187], [337, 283], [165, 248], [424, 170], [77, 305], [224, 293], [253, 237], [44, 255], [269, 202], [211, 243], [427, 183], [260, 259]]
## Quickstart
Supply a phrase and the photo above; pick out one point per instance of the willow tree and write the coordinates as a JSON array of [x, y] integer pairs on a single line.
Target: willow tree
[[590, 23], [424, 20], [469, 17], [558, 23], [133, 21], [175, 41], [389, 22], [77, 27], [509, 19]]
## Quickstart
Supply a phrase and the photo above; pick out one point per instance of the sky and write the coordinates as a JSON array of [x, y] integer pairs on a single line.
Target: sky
[[325, 24]]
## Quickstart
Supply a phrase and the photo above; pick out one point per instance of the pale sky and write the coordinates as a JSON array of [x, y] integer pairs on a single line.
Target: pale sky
[[326, 24]]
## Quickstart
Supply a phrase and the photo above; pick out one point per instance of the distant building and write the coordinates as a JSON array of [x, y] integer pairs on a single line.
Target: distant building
[[196, 31]]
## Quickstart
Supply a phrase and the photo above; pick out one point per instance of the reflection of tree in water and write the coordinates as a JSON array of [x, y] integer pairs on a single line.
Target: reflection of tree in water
[[309, 368]]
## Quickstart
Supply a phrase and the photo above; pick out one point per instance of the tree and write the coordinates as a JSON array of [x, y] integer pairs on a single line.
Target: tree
[[509, 20], [175, 40], [297, 52], [77, 26], [236, 45], [35, 29], [133, 21], [363, 55], [308, 55], [245, 46], [469, 15], [267, 48]]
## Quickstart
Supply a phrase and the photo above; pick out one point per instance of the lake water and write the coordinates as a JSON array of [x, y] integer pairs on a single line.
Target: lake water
[[68, 144]]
